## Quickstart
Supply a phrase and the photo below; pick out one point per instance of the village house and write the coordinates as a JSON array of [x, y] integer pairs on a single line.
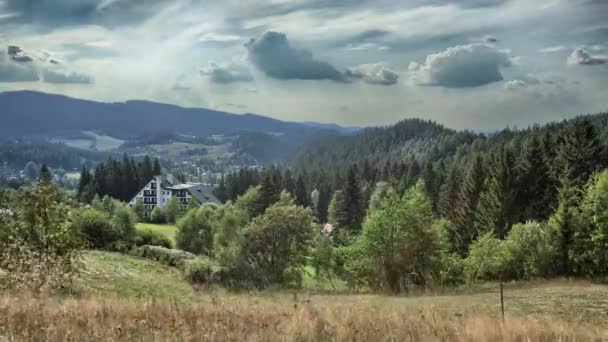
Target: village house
[[161, 189]]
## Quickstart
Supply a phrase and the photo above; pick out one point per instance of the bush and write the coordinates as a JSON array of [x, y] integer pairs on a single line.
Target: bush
[[123, 221], [485, 259], [528, 252], [203, 270], [152, 238], [96, 228], [156, 216], [166, 256], [195, 231]]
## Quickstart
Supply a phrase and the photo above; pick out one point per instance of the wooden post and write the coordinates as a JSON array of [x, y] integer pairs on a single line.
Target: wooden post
[[502, 301]]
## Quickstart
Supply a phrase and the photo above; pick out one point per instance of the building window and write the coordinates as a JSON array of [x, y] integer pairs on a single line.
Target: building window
[[153, 185]]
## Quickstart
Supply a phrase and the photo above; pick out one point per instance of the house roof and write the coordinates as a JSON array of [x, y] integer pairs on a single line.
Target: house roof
[[202, 193]]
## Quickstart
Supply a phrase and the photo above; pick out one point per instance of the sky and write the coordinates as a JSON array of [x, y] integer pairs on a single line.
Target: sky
[[468, 64]]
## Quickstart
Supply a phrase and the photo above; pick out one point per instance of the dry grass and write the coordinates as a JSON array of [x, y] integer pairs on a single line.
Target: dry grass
[[123, 298], [255, 319]]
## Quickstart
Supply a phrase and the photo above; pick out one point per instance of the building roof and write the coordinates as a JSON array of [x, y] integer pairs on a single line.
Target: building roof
[[202, 193]]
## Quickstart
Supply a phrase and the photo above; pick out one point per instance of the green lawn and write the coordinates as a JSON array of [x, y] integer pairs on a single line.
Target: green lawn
[[167, 230]]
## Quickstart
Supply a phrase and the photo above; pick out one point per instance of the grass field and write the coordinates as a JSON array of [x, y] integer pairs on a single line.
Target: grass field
[[126, 298], [165, 229]]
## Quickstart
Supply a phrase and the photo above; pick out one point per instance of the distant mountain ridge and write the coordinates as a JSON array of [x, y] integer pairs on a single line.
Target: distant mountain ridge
[[30, 113]]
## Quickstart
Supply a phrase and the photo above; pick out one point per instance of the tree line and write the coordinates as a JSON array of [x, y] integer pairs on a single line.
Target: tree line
[[119, 179]]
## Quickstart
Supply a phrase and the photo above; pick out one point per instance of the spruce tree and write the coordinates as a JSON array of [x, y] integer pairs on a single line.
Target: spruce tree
[[85, 180], [448, 196], [580, 153], [270, 193], [157, 169], [45, 174], [353, 200], [497, 208], [534, 182], [468, 199], [563, 223], [301, 194]]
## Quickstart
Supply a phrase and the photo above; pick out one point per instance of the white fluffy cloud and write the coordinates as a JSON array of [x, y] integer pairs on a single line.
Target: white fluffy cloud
[[582, 57], [462, 66], [378, 73]]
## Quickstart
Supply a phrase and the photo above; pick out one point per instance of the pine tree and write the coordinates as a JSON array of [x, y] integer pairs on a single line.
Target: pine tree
[[301, 194], [337, 211], [157, 169], [468, 200], [45, 174], [429, 177], [353, 201], [534, 183], [270, 193], [580, 152], [497, 208], [448, 196], [85, 180], [221, 192], [563, 223]]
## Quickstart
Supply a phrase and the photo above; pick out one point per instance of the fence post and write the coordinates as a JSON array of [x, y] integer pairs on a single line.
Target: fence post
[[502, 300]]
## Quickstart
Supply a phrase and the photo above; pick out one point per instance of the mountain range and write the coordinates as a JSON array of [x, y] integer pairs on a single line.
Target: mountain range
[[29, 113]]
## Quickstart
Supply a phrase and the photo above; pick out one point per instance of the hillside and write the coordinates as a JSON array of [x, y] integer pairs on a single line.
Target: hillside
[[97, 126], [423, 140]]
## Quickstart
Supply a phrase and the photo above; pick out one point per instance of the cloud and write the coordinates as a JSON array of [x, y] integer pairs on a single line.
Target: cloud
[[462, 66], [551, 49], [219, 38], [274, 56], [227, 73], [17, 66], [65, 77], [377, 73], [490, 39], [582, 57], [17, 54]]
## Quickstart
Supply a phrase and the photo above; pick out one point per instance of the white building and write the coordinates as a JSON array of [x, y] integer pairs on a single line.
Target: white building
[[161, 189]]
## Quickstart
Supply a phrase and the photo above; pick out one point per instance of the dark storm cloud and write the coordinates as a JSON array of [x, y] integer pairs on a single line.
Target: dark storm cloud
[[273, 55]]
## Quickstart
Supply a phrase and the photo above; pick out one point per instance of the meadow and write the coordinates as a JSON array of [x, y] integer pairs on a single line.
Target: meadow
[[167, 230], [125, 298]]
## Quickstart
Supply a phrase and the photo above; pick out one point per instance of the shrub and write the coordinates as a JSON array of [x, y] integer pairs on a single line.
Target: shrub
[[123, 221], [156, 216], [278, 244], [195, 231], [485, 260], [96, 227], [528, 252], [203, 270], [152, 238], [166, 256], [172, 210]]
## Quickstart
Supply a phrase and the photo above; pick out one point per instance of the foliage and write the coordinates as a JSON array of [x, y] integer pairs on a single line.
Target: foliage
[[277, 245], [140, 210], [42, 250], [147, 237], [156, 216], [171, 210], [485, 260], [590, 240], [195, 231], [203, 270], [96, 227], [166, 256], [399, 240], [529, 252]]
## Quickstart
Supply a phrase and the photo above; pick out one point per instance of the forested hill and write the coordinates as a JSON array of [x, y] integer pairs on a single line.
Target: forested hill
[[378, 144], [419, 139]]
